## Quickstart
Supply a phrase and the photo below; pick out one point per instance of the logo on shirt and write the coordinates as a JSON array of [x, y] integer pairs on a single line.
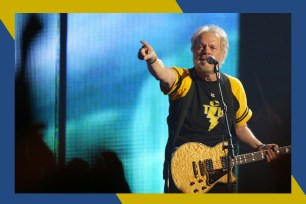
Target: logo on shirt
[[213, 111]]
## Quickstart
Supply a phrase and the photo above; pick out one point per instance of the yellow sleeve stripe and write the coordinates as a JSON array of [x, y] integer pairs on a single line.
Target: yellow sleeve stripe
[[184, 85], [244, 113], [168, 92], [177, 82], [245, 119], [181, 85]]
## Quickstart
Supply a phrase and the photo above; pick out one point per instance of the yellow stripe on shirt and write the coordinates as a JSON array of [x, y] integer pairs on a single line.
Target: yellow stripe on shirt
[[184, 86], [244, 113]]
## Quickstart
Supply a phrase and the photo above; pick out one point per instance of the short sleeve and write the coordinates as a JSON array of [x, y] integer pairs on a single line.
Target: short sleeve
[[181, 85], [244, 113]]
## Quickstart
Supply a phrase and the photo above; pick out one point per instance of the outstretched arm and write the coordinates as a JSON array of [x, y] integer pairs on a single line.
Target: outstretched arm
[[156, 67]]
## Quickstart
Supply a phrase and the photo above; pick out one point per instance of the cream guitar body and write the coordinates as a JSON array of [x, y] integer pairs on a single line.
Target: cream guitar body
[[196, 168]]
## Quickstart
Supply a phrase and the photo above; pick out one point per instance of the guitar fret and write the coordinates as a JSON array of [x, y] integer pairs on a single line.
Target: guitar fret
[[262, 154], [246, 158], [256, 156]]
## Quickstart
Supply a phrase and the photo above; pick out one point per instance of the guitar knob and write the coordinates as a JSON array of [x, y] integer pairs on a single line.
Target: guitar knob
[[192, 183], [200, 181], [195, 190], [204, 187]]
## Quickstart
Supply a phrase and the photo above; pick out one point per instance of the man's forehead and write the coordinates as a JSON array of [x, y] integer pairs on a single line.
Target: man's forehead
[[209, 37]]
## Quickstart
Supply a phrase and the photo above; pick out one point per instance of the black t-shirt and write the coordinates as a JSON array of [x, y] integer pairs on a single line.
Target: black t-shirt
[[205, 121]]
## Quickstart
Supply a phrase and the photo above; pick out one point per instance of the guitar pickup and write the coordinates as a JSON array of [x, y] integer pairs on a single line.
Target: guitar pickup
[[202, 168], [209, 165], [195, 169]]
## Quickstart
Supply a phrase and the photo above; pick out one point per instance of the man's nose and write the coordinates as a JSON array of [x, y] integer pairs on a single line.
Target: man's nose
[[205, 51]]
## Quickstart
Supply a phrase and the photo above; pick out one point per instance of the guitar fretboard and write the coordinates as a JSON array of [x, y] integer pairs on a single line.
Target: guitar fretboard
[[256, 156]]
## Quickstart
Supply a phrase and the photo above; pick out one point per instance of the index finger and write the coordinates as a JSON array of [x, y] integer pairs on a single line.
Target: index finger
[[145, 44]]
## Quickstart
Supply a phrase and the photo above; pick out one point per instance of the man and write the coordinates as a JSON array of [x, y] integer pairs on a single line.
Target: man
[[196, 113]]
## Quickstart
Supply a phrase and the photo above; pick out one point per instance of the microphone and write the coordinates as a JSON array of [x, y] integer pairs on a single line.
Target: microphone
[[212, 60]]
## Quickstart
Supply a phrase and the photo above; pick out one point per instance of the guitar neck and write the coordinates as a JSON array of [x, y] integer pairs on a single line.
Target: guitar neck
[[256, 156]]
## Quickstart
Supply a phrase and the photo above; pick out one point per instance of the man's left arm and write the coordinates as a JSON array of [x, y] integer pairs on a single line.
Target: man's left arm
[[245, 135]]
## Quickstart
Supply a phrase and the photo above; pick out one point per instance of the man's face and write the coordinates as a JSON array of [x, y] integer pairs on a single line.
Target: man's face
[[208, 44]]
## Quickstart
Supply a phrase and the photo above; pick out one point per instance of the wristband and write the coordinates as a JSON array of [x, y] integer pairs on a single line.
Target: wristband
[[151, 62], [262, 145]]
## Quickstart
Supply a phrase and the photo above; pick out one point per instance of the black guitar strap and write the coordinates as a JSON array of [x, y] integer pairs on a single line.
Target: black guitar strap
[[177, 114], [228, 97]]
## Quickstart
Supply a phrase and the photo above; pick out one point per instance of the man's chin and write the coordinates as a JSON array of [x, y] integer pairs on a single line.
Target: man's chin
[[205, 70]]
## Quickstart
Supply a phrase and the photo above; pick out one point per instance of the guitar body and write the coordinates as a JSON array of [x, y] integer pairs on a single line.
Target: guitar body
[[196, 168]]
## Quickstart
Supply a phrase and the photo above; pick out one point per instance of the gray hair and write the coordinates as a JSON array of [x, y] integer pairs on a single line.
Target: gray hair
[[212, 29]]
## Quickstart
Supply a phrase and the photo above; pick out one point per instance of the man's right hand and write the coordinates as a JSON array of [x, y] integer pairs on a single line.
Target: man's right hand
[[147, 53]]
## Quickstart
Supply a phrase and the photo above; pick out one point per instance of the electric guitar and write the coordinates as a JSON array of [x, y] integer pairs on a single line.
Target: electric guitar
[[196, 168]]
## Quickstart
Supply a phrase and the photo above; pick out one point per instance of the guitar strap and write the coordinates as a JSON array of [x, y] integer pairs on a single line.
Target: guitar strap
[[228, 97], [177, 113]]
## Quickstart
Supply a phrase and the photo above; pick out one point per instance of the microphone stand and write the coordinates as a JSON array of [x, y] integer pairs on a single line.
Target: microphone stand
[[230, 146]]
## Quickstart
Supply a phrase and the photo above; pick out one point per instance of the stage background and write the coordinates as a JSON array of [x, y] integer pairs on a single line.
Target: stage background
[[265, 71]]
